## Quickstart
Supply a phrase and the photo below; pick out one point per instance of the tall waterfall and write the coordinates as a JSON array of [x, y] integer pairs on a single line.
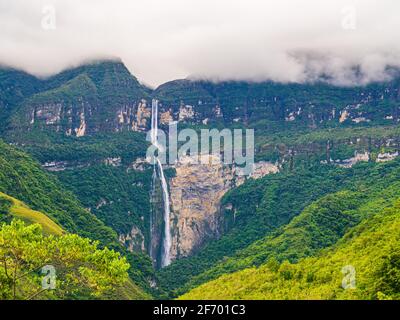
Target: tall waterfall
[[166, 244]]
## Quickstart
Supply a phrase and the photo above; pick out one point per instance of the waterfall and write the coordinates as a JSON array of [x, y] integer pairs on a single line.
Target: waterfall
[[166, 243]]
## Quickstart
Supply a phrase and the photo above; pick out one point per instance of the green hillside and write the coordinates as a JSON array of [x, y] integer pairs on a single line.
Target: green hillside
[[119, 198], [93, 93], [15, 86], [331, 221], [68, 164], [23, 178], [18, 209], [12, 209], [268, 225], [371, 248]]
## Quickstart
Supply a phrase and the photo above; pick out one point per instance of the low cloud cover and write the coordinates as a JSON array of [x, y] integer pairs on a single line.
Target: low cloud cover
[[344, 41]]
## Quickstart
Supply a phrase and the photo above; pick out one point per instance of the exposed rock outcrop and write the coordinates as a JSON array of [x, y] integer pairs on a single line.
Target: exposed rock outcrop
[[195, 195], [166, 117], [196, 192], [186, 112], [133, 241], [142, 119]]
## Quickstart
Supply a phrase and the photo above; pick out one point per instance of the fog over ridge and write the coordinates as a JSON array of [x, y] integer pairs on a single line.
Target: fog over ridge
[[347, 42]]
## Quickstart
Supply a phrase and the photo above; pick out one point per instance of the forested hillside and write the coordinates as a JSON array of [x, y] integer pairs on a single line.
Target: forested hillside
[[319, 225], [72, 159], [371, 249], [22, 177], [323, 202]]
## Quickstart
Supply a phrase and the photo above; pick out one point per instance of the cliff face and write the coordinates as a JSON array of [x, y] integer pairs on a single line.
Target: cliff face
[[105, 97], [97, 98], [133, 241], [196, 192], [311, 104]]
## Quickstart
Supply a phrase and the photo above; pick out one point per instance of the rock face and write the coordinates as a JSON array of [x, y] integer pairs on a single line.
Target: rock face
[[166, 117], [105, 97], [358, 157], [143, 115], [196, 192], [186, 112], [387, 156], [79, 122], [195, 195], [262, 168], [133, 241], [99, 97], [247, 103]]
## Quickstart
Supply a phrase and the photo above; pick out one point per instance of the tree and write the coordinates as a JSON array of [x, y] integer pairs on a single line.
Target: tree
[[81, 268]]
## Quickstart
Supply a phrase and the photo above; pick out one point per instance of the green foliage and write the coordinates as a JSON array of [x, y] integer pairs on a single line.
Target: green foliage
[[22, 178], [118, 197], [264, 207], [371, 248], [49, 146], [81, 268], [5, 205], [93, 88], [15, 86]]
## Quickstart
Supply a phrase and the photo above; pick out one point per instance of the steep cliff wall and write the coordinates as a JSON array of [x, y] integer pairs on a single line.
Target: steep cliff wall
[[196, 192], [101, 97]]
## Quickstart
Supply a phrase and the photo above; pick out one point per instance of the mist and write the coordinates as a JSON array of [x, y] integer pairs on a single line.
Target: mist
[[346, 42]]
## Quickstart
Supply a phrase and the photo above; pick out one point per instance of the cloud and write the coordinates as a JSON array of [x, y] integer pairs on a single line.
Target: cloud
[[347, 41]]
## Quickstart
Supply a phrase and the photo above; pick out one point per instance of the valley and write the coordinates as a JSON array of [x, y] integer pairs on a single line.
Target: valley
[[323, 193]]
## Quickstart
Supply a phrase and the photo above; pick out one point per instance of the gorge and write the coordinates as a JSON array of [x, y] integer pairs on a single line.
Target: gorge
[[183, 224]]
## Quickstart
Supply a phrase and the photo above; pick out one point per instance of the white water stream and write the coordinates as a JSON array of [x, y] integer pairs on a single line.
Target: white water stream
[[166, 245]]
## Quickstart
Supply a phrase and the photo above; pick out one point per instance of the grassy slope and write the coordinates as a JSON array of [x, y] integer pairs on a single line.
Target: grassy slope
[[23, 178], [319, 225], [372, 248], [129, 291], [20, 210]]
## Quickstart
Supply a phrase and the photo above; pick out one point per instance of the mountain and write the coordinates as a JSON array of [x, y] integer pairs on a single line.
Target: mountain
[[326, 164], [104, 97], [365, 190], [269, 104], [23, 178], [286, 216], [371, 249], [100, 97], [15, 86]]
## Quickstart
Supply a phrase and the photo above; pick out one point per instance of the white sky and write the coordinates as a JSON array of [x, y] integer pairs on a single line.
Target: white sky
[[161, 40]]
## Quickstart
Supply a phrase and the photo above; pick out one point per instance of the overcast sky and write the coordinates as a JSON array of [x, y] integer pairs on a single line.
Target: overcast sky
[[161, 40]]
